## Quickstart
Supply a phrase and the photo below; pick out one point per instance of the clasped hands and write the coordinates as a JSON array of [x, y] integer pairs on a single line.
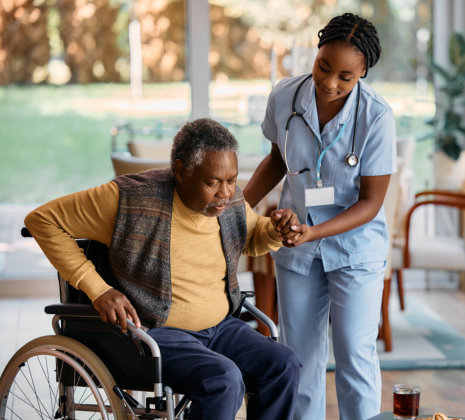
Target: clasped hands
[[292, 233]]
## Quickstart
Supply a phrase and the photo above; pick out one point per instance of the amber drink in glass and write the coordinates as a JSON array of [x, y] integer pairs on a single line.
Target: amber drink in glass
[[406, 401]]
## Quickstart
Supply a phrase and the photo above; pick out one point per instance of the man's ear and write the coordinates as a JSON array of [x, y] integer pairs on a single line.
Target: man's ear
[[179, 170]]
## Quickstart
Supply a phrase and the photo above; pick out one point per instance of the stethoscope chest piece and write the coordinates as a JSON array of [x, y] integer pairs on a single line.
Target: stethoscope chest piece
[[352, 159]]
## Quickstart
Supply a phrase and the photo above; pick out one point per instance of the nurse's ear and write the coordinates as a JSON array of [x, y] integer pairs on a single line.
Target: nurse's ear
[[364, 72]]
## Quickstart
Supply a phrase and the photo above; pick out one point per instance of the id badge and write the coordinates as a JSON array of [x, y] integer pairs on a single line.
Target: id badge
[[319, 196]]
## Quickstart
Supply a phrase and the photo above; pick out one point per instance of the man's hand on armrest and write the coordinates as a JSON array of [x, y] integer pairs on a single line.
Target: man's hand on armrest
[[114, 307]]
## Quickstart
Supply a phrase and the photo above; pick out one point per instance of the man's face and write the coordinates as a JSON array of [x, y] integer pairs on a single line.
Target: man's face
[[207, 188]]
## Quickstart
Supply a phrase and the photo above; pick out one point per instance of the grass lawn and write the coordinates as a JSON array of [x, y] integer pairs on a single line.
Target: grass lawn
[[56, 139]]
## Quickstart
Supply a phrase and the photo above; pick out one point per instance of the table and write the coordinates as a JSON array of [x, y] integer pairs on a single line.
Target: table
[[388, 416]]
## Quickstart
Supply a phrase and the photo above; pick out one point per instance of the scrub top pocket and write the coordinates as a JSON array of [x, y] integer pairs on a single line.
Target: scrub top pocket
[[345, 180]]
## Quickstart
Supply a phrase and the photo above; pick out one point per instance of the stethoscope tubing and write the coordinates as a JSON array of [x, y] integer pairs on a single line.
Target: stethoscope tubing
[[351, 158]]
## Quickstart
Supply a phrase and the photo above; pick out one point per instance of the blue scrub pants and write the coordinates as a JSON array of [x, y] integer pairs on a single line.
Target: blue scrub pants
[[352, 297], [215, 366]]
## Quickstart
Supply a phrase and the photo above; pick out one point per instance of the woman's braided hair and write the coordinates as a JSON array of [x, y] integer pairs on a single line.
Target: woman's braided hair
[[357, 31]]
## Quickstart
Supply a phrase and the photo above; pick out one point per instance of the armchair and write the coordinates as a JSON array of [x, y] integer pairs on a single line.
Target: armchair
[[124, 163], [150, 149], [437, 252]]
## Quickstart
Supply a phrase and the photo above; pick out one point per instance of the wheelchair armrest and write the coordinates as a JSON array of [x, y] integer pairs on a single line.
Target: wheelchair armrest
[[257, 313], [72, 309], [82, 310]]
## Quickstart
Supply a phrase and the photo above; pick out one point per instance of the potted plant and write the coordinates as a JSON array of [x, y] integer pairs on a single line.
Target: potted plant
[[449, 123]]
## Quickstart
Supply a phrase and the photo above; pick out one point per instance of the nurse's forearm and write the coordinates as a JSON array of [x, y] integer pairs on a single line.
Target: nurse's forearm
[[371, 197], [267, 175], [357, 215]]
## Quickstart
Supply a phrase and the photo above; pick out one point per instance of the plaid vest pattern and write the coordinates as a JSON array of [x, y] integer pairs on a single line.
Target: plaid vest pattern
[[140, 248]]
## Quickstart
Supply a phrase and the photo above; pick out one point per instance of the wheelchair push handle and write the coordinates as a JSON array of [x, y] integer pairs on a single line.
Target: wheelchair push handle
[[25, 233]]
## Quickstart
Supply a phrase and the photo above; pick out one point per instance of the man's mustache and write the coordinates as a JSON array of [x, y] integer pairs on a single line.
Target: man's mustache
[[220, 203]]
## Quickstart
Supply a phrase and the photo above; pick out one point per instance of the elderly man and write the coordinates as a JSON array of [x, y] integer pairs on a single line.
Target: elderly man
[[174, 237]]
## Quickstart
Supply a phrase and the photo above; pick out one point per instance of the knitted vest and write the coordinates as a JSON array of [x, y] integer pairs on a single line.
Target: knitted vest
[[140, 247]]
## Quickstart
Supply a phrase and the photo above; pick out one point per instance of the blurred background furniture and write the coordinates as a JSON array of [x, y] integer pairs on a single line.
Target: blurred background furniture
[[137, 149], [141, 148], [429, 250], [124, 133], [391, 207], [411, 245], [150, 149], [124, 163], [398, 199]]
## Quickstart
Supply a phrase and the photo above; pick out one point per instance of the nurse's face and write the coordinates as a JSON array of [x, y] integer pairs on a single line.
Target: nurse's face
[[336, 70]]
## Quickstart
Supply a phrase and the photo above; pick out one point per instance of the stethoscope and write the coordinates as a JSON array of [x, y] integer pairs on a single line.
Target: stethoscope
[[351, 159]]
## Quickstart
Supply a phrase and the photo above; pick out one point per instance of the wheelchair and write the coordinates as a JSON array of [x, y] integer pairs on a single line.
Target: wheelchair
[[90, 369]]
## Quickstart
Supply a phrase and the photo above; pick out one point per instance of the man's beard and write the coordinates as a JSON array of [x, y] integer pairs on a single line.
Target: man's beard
[[220, 203]]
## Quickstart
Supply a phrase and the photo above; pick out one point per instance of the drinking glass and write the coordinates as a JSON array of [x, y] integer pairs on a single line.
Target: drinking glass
[[406, 401]]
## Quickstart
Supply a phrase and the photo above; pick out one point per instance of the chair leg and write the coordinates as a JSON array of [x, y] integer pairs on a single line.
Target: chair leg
[[400, 288], [385, 328]]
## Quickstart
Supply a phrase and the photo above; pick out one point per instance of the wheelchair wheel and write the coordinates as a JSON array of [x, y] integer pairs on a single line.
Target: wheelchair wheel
[[56, 377]]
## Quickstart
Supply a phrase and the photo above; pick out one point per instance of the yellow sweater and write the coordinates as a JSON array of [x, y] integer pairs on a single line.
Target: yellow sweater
[[198, 266]]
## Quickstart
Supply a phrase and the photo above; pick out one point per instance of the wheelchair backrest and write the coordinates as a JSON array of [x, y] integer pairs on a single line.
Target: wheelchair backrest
[[98, 254]]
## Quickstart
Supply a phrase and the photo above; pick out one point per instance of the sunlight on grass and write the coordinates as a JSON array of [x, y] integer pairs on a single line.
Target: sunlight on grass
[[56, 139]]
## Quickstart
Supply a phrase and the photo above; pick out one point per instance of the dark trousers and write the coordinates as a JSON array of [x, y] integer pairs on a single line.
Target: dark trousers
[[215, 366]]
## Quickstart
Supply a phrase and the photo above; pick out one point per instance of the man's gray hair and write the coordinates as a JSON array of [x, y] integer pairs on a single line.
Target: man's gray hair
[[198, 136]]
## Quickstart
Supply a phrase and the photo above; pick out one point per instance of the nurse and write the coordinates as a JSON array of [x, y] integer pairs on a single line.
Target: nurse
[[333, 138]]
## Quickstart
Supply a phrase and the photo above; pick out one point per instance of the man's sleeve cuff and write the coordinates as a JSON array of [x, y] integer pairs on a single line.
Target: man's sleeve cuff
[[93, 286]]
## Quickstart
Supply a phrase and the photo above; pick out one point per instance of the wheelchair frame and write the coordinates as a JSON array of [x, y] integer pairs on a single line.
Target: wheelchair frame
[[71, 363]]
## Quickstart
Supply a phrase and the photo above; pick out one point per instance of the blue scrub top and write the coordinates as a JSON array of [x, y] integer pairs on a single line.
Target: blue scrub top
[[375, 145]]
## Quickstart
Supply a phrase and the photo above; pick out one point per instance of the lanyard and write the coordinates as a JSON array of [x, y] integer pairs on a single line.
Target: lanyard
[[320, 158]]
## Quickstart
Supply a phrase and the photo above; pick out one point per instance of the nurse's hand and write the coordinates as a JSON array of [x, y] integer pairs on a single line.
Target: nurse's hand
[[300, 233], [283, 220]]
